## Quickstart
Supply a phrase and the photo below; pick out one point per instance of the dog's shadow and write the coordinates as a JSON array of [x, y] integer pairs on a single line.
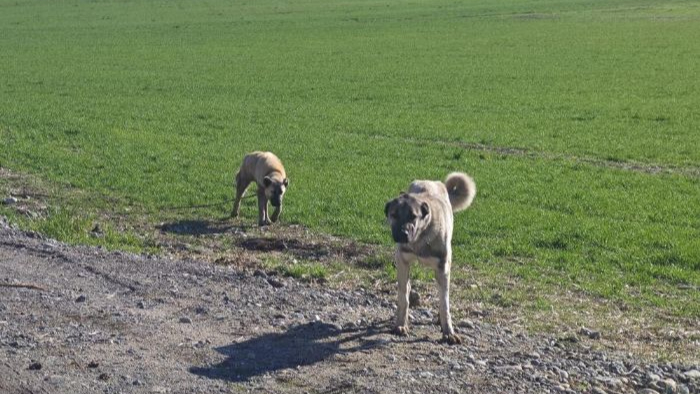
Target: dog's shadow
[[299, 346], [201, 227]]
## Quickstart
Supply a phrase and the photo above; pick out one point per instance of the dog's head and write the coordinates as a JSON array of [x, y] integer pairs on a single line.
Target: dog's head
[[407, 216], [274, 189]]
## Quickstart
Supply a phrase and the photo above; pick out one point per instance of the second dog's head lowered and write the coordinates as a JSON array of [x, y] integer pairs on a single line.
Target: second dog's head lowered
[[407, 216], [275, 187]]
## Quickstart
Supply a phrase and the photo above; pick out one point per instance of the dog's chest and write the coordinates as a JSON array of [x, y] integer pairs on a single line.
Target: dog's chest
[[426, 259]]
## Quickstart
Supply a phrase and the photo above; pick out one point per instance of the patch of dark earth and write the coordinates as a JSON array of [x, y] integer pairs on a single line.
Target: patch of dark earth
[[84, 320]]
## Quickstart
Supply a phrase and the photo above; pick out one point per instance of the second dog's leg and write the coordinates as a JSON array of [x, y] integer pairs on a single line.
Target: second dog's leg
[[403, 269], [263, 220], [442, 275]]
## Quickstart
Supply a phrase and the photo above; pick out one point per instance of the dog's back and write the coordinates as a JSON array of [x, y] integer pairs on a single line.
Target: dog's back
[[433, 188], [458, 190], [261, 164]]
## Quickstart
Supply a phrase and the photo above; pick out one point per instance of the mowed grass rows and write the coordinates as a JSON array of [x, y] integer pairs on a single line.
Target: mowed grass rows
[[577, 119]]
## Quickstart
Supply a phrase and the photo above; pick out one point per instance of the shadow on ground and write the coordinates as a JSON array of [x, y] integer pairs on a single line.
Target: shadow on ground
[[201, 227], [305, 248], [299, 346]]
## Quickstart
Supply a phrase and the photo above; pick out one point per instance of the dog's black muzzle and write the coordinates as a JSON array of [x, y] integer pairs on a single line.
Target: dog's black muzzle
[[400, 236], [276, 202]]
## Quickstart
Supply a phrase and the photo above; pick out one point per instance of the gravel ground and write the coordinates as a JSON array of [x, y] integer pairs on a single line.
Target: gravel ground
[[84, 320]]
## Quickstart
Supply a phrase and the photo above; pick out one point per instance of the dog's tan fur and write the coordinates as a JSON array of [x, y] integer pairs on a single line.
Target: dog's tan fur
[[421, 224], [267, 171]]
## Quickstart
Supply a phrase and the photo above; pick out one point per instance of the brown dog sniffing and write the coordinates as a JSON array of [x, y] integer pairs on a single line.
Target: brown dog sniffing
[[267, 171]]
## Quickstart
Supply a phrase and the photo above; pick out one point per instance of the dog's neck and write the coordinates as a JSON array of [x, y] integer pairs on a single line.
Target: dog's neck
[[276, 175], [426, 246]]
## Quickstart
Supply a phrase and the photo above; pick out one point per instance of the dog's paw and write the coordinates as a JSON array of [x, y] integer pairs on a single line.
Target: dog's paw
[[451, 339], [401, 331], [264, 223]]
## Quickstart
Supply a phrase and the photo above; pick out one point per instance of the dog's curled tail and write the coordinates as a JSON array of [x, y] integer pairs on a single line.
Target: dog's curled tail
[[461, 189]]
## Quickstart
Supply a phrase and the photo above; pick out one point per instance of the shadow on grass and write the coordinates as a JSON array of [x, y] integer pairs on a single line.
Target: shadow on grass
[[301, 345], [201, 227], [309, 249]]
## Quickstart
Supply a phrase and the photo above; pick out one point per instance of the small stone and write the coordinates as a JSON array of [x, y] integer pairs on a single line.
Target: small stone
[[103, 377], [652, 377], [81, 298], [140, 305], [668, 385], [692, 374], [35, 366], [466, 323], [201, 310], [413, 299], [611, 382], [185, 320], [275, 283], [137, 383], [9, 201], [260, 273], [563, 374], [426, 375], [589, 333], [93, 364]]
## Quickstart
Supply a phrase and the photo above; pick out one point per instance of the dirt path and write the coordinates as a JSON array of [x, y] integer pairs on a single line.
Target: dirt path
[[84, 320]]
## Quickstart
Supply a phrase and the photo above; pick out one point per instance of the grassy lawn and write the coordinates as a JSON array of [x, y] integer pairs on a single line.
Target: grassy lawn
[[578, 120]]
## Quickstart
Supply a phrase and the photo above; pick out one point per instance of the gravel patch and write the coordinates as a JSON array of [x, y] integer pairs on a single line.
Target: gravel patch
[[112, 322]]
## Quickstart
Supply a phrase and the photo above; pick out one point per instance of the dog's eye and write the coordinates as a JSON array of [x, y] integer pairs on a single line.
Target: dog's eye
[[411, 217]]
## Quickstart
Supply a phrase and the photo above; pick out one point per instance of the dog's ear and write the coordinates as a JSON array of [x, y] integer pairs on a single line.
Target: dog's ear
[[387, 207], [424, 209], [267, 181], [285, 182]]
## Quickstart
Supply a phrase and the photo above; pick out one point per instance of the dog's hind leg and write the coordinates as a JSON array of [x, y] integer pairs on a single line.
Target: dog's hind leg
[[442, 275], [240, 186], [403, 269]]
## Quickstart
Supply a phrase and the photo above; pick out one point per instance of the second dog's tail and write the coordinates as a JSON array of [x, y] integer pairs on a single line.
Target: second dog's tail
[[461, 190]]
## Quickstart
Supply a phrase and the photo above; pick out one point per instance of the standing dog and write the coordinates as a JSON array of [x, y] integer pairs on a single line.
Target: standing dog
[[421, 224], [268, 173]]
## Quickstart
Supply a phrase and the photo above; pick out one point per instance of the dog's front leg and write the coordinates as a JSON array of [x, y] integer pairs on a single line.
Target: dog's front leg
[[263, 220], [403, 269], [276, 213], [442, 275]]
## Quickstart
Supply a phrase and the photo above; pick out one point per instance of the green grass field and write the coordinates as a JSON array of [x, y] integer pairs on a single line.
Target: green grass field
[[578, 120]]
